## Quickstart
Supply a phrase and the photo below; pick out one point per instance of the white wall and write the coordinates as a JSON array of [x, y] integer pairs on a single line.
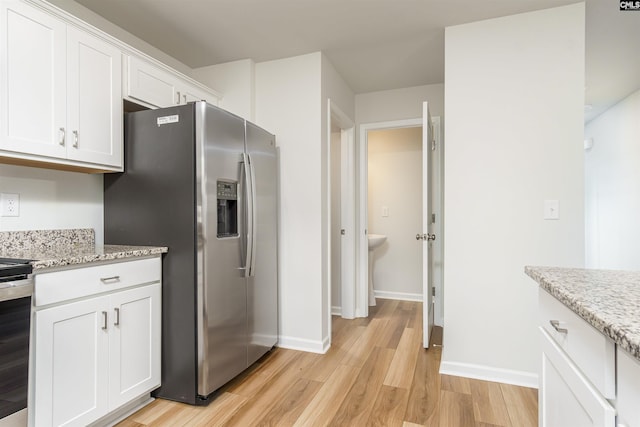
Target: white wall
[[52, 199], [395, 182], [236, 81], [514, 135], [288, 104], [399, 104], [612, 187], [336, 280]]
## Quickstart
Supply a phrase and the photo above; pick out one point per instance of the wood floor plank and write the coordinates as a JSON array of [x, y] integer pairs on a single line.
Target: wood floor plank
[[327, 401], [272, 392], [408, 424], [217, 413], [456, 409], [361, 349], [488, 404], [522, 405], [424, 398], [293, 404], [403, 365], [248, 385], [323, 369], [389, 407], [356, 407], [456, 384]]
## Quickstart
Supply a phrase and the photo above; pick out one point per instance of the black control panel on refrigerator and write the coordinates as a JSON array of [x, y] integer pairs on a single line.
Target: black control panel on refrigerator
[[227, 195]]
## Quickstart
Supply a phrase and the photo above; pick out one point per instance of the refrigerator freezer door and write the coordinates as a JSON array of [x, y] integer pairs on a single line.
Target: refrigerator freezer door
[[222, 295], [262, 289]]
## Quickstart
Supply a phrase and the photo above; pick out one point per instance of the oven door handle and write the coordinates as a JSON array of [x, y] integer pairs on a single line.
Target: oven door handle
[[16, 289]]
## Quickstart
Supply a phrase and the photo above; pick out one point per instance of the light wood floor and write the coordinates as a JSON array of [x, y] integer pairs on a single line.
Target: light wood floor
[[375, 374]]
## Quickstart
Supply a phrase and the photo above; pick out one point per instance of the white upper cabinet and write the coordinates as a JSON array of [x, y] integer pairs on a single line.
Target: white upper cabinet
[[60, 91], [157, 87], [94, 87], [33, 81]]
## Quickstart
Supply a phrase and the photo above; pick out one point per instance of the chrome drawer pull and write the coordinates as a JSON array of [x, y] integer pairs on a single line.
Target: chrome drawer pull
[[117, 322], [112, 279], [556, 326], [104, 320]]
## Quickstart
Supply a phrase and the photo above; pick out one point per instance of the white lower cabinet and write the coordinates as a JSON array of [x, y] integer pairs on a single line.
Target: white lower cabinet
[[566, 396], [628, 382], [94, 355]]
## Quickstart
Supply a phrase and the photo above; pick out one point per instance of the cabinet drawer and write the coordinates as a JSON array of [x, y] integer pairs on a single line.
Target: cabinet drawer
[[58, 286], [587, 347]]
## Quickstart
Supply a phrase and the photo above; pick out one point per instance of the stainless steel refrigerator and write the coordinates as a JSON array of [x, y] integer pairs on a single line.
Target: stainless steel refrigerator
[[202, 181]]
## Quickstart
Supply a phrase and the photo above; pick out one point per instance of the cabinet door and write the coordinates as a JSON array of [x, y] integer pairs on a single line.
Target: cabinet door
[[134, 346], [94, 105], [32, 81], [192, 93], [566, 397], [150, 84], [71, 377]]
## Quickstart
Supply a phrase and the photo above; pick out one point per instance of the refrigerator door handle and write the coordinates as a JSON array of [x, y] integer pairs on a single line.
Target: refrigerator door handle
[[253, 228], [248, 192]]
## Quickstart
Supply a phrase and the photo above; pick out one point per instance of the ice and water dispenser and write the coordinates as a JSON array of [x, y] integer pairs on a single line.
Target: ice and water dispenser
[[227, 196]]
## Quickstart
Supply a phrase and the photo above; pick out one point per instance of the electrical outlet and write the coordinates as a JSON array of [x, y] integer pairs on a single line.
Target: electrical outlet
[[9, 204]]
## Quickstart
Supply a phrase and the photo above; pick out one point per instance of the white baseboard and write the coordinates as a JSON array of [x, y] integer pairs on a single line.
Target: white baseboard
[[489, 373], [336, 310], [403, 296], [301, 344]]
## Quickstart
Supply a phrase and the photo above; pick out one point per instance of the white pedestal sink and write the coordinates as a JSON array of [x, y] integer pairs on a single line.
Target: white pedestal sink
[[375, 240]]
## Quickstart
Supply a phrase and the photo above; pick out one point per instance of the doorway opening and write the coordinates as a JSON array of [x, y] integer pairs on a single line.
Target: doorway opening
[[389, 211]]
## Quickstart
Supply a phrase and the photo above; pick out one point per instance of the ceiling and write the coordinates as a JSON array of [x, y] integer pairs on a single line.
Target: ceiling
[[374, 44]]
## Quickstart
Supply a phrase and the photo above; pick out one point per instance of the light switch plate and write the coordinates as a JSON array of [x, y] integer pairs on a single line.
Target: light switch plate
[[9, 204], [551, 209]]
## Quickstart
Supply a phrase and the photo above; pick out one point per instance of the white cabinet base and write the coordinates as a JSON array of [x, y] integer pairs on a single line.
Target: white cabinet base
[[566, 397]]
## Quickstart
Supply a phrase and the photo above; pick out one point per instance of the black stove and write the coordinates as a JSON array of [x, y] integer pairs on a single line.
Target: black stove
[[14, 269]]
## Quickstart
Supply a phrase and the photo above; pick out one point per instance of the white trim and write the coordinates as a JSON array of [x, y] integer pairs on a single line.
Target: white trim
[[402, 296], [362, 246], [302, 344], [336, 310], [489, 373]]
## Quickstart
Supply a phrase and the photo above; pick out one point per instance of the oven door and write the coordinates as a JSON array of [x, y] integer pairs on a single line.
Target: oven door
[[15, 315]]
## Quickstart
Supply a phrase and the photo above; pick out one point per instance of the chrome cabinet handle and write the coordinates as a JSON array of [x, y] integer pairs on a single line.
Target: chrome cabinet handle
[[63, 135], [556, 326], [178, 101], [431, 237], [420, 236], [75, 139], [104, 320], [117, 322], [185, 98], [112, 279]]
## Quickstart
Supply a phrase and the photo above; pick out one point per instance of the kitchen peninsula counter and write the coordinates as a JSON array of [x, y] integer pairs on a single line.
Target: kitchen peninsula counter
[[608, 300], [60, 248]]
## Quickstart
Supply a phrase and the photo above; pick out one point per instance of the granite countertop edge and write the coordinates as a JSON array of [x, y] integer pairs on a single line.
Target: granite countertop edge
[[104, 253], [624, 334]]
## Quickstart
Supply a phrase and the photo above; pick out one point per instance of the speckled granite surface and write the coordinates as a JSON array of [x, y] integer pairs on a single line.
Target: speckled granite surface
[[58, 248], [608, 300]]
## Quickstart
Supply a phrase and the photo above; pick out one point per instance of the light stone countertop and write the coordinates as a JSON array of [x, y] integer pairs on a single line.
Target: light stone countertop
[[59, 248], [608, 300]]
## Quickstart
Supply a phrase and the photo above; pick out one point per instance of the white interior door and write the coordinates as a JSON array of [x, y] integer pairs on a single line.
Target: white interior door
[[347, 221], [428, 235]]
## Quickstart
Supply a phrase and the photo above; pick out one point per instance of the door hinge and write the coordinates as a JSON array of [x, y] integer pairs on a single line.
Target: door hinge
[[433, 291], [433, 144], [433, 218]]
